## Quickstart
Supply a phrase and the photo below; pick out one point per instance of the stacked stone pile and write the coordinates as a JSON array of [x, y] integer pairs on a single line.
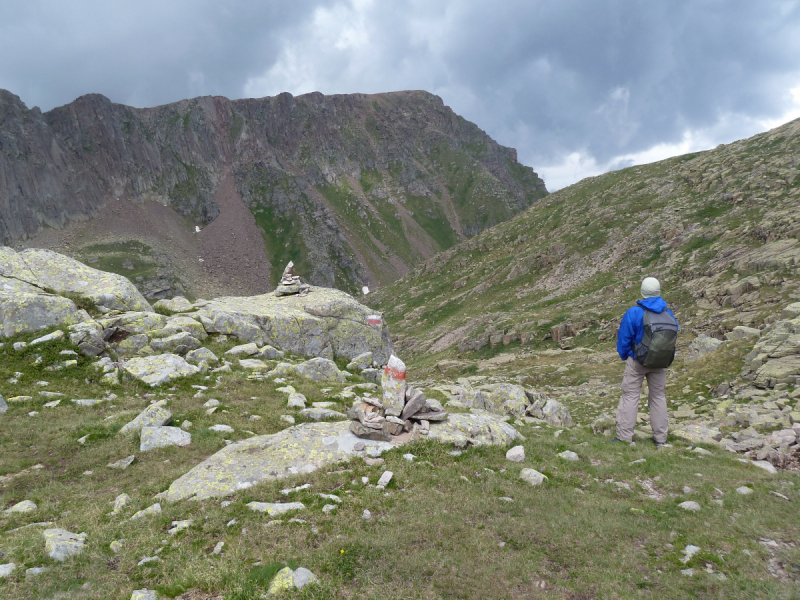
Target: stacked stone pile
[[290, 283], [402, 409]]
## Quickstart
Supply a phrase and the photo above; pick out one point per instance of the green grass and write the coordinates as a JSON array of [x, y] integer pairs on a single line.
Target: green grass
[[578, 535]]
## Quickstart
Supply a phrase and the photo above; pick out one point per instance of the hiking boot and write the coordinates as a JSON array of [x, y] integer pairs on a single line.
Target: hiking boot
[[658, 444], [617, 440]]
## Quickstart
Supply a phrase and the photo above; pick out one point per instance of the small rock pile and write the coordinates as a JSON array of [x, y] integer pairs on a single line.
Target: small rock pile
[[290, 283], [403, 409]]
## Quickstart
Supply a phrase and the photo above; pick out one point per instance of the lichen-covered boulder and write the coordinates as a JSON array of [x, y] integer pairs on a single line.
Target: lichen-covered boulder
[[697, 433], [60, 544], [500, 398], [63, 274], [21, 312], [201, 355], [135, 322], [159, 369], [176, 304], [179, 343], [320, 369], [162, 437], [324, 323], [300, 449], [88, 336], [701, 346], [464, 430], [287, 579]]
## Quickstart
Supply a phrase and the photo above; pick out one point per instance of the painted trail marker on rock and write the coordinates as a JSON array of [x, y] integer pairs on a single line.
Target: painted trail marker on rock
[[394, 386]]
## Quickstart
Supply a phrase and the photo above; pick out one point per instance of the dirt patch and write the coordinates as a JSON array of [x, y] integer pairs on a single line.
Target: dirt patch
[[232, 247], [227, 257]]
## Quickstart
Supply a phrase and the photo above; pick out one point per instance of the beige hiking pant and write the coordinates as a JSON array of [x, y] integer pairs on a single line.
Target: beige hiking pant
[[629, 403]]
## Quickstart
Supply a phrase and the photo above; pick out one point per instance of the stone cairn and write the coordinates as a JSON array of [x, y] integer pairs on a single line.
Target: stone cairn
[[402, 409], [290, 283]]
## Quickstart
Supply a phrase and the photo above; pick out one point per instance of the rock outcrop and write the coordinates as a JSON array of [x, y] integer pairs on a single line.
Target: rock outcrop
[[322, 177], [775, 357]]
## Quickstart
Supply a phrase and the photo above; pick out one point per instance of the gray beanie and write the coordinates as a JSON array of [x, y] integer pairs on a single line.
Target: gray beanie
[[650, 287]]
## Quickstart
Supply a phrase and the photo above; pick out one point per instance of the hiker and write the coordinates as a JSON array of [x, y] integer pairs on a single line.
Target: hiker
[[646, 342]]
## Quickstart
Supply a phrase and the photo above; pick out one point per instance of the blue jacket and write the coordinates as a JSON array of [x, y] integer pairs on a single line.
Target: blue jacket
[[631, 329]]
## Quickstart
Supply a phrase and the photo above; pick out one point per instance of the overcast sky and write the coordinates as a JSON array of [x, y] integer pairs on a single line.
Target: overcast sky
[[577, 87]]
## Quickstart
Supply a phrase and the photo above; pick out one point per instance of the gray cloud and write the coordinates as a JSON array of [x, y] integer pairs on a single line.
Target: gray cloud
[[577, 87]]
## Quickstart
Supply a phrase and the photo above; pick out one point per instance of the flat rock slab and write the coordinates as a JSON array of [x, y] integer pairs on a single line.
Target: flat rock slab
[[318, 414], [275, 508], [25, 506], [309, 446], [300, 449], [162, 437], [60, 544], [464, 430], [159, 369], [152, 416], [325, 323]]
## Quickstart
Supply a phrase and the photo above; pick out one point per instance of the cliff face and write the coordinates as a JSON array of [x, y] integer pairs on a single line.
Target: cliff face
[[355, 189]]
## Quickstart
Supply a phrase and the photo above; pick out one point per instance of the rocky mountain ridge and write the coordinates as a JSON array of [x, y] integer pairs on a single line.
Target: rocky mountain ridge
[[719, 229], [356, 189]]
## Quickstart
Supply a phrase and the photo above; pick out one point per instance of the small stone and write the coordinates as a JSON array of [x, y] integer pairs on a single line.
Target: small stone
[[638, 461], [115, 546], [701, 451], [764, 464], [7, 569], [56, 335], [568, 455], [144, 594], [329, 508], [212, 402], [282, 582], [25, 506], [366, 515], [288, 419], [687, 572], [506, 499], [221, 428], [409, 457], [121, 502], [61, 544], [744, 490], [218, 548], [532, 476], [123, 463], [153, 509], [688, 552], [689, 505], [34, 571], [359, 447], [302, 577], [186, 425], [296, 400], [275, 508], [385, 478], [516, 454], [148, 559], [179, 526]]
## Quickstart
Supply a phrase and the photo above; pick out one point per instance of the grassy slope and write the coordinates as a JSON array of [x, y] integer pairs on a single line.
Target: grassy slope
[[439, 531], [579, 254]]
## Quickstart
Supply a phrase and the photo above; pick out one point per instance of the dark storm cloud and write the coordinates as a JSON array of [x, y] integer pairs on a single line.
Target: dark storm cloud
[[142, 52], [577, 87]]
